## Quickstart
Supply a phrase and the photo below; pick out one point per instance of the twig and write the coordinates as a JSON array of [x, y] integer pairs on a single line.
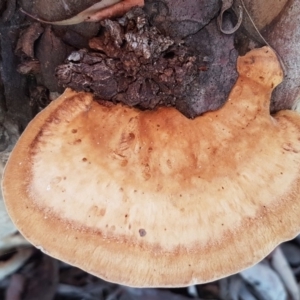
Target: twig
[[262, 38], [235, 285], [13, 241], [245, 294], [265, 281], [83, 16], [10, 266], [280, 264], [227, 4], [15, 288]]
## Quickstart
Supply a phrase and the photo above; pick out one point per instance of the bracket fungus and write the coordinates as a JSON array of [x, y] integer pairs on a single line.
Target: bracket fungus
[[151, 198]]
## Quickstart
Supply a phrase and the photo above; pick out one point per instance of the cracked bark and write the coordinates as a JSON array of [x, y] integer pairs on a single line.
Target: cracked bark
[[137, 65]]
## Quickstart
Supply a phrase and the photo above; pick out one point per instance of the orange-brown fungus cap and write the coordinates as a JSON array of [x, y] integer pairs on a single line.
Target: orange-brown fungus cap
[[151, 198]]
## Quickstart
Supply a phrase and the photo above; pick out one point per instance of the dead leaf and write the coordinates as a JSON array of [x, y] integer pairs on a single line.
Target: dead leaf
[[99, 11]]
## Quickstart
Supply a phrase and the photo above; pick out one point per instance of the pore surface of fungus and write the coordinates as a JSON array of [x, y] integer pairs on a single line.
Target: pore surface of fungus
[[151, 198]]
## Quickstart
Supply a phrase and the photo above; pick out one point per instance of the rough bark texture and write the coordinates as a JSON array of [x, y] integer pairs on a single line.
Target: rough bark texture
[[138, 65]]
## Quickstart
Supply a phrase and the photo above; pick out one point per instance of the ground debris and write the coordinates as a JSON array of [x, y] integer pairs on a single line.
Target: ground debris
[[25, 44]]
